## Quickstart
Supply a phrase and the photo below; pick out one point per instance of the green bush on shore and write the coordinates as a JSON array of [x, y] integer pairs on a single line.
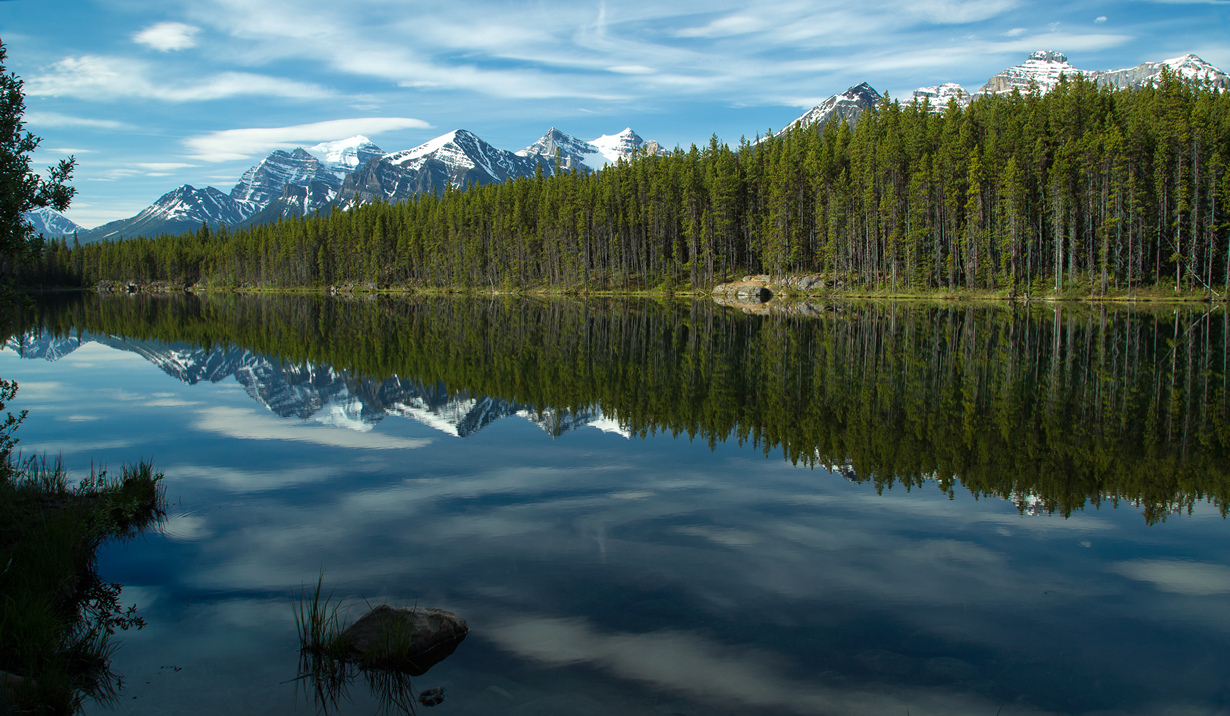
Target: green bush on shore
[[58, 615]]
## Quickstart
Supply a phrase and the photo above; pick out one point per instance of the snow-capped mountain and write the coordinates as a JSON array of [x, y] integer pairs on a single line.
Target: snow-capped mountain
[[51, 223], [43, 346], [573, 152], [592, 155], [1189, 67], [938, 96], [319, 392], [848, 106], [178, 211], [1044, 67], [624, 145], [265, 181], [454, 159], [283, 184], [296, 200], [343, 156]]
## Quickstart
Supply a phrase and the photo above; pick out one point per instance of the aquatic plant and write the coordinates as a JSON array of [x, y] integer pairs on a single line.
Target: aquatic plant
[[318, 622], [331, 659], [58, 615]]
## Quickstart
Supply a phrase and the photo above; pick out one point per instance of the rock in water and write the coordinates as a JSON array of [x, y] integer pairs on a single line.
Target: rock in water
[[405, 640], [432, 697]]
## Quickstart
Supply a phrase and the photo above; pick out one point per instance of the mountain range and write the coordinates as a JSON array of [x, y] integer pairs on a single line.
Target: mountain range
[[319, 392], [354, 171]]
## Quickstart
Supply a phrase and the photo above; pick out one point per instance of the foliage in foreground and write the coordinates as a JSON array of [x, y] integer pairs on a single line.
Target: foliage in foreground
[[58, 615]]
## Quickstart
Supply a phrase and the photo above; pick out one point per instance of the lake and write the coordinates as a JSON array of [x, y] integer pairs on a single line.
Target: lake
[[661, 507]]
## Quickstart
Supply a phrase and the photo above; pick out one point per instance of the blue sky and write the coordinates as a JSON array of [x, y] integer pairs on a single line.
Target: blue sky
[[149, 95]]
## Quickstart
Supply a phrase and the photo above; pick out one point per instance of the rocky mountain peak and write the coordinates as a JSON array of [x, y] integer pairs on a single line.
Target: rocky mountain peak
[[848, 106], [1048, 56], [623, 145], [938, 96], [573, 152], [345, 155], [264, 182]]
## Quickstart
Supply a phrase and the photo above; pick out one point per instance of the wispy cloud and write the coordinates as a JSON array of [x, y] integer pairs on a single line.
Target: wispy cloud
[[55, 119], [725, 27], [234, 144], [167, 36], [99, 78], [163, 166], [1178, 576], [252, 425]]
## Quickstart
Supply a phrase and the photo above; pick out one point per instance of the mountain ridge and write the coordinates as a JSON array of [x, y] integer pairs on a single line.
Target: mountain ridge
[[352, 171]]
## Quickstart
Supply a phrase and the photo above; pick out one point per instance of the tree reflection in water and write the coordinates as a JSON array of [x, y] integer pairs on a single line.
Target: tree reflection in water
[[1051, 406]]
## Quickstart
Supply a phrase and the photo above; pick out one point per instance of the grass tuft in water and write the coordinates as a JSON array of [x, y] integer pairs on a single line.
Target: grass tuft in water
[[58, 615], [319, 623], [327, 663]]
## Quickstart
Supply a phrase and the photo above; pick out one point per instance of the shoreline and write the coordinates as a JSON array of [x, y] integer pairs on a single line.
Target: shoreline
[[727, 294]]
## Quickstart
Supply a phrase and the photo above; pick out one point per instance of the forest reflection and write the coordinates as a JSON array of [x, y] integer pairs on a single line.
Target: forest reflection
[[1054, 407]]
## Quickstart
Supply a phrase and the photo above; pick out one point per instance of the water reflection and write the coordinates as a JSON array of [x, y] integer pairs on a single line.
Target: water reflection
[[687, 574], [1051, 407]]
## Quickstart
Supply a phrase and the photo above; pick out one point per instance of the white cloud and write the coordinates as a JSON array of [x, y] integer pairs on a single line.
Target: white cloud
[[957, 12], [1099, 19], [251, 425], [166, 36], [725, 27], [235, 144], [1016, 32], [163, 166], [236, 480], [94, 77], [114, 174], [631, 70], [55, 119], [1198, 579], [185, 527], [688, 663]]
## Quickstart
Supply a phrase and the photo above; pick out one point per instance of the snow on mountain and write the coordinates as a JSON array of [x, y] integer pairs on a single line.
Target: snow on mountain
[[848, 106], [573, 152], [1189, 67], [44, 346], [463, 152], [592, 155], [454, 159], [265, 181], [1042, 67], [614, 147], [937, 97], [51, 223], [343, 156], [319, 392], [610, 425], [178, 211], [296, 200]]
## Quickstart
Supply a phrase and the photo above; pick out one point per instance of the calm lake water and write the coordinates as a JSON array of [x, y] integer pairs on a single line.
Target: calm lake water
[[648, 508]]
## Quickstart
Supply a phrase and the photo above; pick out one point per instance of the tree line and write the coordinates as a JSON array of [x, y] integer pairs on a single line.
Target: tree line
[[1062, 406], [1086, 188]]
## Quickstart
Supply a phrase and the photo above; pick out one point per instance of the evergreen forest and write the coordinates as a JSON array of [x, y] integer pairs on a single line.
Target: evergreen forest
[[1085, 189]]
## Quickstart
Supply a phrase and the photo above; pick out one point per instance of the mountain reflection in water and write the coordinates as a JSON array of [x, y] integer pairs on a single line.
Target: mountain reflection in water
[[744, 545], [1053, 407], [319, 393]]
